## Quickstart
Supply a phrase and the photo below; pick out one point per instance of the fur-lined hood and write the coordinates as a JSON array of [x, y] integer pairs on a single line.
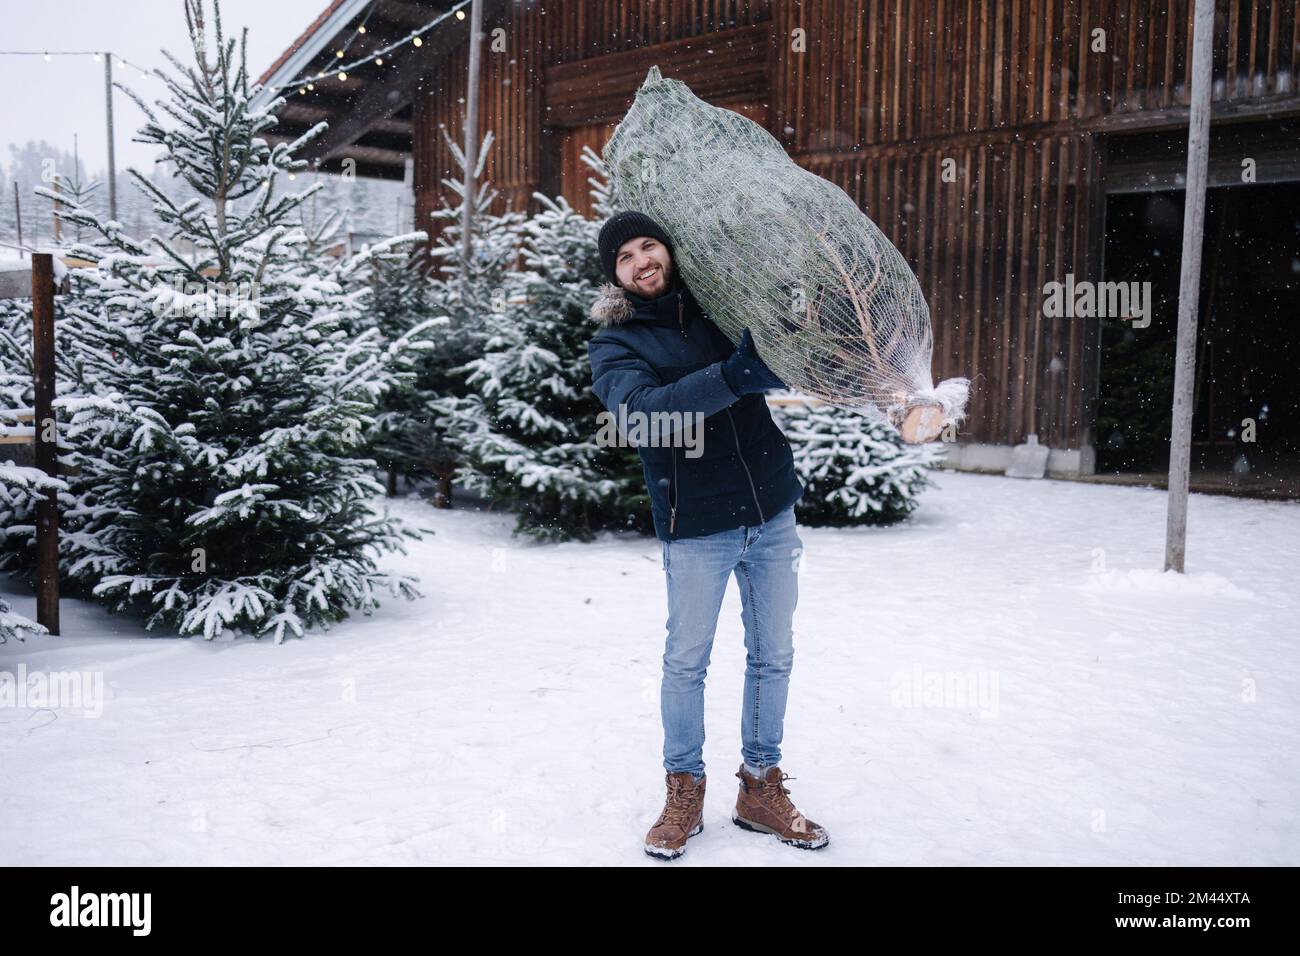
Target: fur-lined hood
[[611, 306]]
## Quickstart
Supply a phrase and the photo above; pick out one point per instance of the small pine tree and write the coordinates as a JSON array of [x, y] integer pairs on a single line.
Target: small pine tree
[[226, 394], [79, 192], [18, 499], [18, 486], [13, 625], [529, 429], [404, 439], [855, 469], [471, 292], [600, 189]]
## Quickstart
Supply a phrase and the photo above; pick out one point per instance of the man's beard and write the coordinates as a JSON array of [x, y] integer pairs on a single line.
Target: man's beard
[[670, 279]]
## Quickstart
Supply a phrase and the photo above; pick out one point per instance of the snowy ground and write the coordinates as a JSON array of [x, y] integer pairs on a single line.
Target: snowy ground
[[511, 716]]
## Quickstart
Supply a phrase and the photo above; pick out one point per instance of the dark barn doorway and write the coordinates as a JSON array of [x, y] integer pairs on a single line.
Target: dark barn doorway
[[1248, 340]]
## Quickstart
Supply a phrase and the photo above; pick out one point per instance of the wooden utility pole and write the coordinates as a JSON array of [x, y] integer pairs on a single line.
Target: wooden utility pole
[[46, 441], [471, 125], [18, 218], [57, 223], [108, 109], [1189, 285]]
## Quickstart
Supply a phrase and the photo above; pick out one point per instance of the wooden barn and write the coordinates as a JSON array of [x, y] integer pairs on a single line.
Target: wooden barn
[[1002, 146]]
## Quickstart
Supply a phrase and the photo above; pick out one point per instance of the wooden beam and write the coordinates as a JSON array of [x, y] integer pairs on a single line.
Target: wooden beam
[[373, 154], [305, 113], [401, 16], [1232, 111], [288, 132], [727, 65], [402, 127]]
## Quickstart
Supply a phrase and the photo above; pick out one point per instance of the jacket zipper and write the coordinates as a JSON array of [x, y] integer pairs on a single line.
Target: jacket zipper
[[735, 434], [672, 516]]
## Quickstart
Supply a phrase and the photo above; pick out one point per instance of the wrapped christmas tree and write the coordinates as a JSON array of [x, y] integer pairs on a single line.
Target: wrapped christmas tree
[[832, 305]]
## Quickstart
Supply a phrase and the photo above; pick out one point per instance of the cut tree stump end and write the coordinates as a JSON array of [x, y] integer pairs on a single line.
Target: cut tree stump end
[[923, 423]]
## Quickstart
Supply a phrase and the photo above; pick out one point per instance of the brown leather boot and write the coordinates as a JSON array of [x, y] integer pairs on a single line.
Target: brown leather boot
[[682, 816], [763, 805]]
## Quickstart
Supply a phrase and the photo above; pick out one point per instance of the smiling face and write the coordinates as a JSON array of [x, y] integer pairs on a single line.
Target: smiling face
[[644, 266]]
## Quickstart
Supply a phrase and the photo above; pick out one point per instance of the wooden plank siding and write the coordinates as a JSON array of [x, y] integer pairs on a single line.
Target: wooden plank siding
[[876, 96]]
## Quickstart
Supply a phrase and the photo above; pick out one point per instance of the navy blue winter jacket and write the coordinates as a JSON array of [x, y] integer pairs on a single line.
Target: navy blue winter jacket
[[665, 355]]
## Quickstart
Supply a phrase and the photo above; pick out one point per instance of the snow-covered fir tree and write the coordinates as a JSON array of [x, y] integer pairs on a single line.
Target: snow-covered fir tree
[[530, 427], [404, 439], [471, 291], [855, 469], [19, 484], [17, 396], [598, 184], [12, 624], [224, 396], [380, 293], [81, 191], [19, 497]]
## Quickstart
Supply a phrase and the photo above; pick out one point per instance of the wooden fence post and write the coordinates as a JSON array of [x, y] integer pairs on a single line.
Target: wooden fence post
[[46, 441]]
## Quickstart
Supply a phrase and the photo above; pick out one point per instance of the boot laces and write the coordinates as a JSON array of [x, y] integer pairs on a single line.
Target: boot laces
[[677, 809], [777, 792]]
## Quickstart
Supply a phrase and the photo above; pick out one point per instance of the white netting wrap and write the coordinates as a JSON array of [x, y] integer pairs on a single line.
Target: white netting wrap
[[833, 307]]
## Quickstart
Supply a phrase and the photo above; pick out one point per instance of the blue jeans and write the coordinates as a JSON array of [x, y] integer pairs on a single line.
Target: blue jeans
[[765, 560]]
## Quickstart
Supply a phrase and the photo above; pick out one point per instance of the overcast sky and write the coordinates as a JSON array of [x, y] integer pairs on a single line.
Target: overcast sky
[[54, 99]]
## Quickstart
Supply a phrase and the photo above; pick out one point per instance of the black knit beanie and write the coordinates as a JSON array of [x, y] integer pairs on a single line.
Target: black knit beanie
[[621, 227]]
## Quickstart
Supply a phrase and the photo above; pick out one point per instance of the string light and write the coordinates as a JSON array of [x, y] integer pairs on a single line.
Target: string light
[[96, 55], [376, 57]]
